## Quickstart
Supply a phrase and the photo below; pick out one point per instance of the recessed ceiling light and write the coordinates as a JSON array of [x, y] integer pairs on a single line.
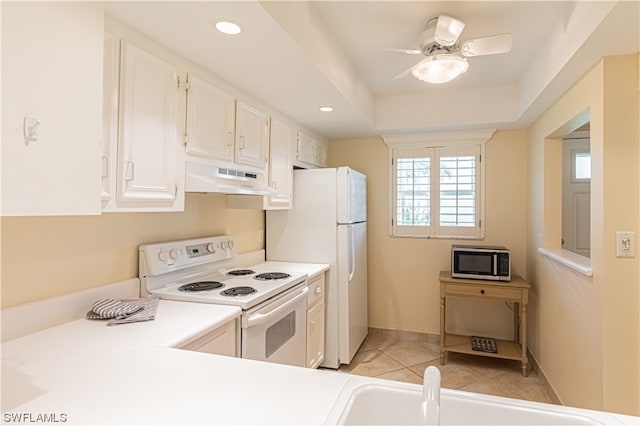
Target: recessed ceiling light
[[326, 108], [228, 27]]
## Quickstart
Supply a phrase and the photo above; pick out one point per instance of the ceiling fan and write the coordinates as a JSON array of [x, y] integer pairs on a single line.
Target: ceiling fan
[[445, 55]]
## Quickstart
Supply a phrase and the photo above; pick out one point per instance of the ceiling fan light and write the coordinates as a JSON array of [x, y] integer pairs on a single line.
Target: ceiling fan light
[[440, 68]]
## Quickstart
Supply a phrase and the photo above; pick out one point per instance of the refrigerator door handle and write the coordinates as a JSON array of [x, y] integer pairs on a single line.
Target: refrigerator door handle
[[352, 253]]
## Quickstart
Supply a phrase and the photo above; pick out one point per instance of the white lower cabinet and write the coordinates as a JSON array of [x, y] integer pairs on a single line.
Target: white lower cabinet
[[221, 341], [315, 322]]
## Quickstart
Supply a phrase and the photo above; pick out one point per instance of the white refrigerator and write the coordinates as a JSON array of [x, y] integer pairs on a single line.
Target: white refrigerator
[[328, 224]]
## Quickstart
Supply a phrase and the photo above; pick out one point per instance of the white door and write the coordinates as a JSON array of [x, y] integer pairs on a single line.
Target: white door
[[252, 136], [352, 289], [576, 196], [315, 335], [148, 138], [211, 119]]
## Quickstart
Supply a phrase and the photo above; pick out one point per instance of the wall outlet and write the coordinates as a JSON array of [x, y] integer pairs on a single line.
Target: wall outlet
[[625, 244]]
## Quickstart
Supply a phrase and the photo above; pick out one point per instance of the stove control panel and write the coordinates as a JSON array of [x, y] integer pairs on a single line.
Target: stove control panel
[[160, 258]]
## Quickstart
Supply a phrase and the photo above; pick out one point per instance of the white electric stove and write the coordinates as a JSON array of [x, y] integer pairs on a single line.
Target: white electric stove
[[202, 270]]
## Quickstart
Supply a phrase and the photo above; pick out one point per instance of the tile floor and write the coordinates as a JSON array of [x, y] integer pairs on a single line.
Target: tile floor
[[403, 356]]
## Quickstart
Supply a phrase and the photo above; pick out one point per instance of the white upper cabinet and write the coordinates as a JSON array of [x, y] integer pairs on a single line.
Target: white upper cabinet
[[52, 56], [252, 136], [310, 152], [110, 84], [210, 121], [148, 171], [281, 165]]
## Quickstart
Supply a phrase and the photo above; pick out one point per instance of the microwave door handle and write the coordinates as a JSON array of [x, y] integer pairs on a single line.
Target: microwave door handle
[[495, 264]]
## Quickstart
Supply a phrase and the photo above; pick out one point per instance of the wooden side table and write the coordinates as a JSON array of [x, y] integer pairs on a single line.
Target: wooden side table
[[516, 291]]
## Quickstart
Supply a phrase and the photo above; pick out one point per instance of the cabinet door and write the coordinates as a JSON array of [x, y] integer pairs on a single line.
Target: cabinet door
[[221, 341], [252, 136], [315, 335], [148, 138], [281, 165], [210, 121], [321, 150], [305, 149], [110, 84]]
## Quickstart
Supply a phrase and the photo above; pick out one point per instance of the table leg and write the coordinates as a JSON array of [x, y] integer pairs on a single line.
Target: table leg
[[443, 352], [523, 338]]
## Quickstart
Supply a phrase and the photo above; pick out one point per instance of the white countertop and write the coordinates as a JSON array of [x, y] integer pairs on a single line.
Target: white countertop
[[92, 373], [311, 269], [85, 372]]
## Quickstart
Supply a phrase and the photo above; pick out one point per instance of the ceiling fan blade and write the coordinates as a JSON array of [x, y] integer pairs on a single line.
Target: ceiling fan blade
[[487, 45], [448, 30], [405, 72], [405, 51]]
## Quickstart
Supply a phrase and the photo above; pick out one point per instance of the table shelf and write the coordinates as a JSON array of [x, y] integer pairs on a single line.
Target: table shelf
[[462, 344], [516, 291]]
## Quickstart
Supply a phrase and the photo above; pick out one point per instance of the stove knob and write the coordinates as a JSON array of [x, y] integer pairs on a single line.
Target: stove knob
[[163, 255], [173, 253], [230, 244], [223, 245], [211, 248]]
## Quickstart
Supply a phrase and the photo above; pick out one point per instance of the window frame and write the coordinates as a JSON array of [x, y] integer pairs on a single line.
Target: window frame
[[435, 146]]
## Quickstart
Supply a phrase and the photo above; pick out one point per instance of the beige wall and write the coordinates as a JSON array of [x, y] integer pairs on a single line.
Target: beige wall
[[585, 331], [80, 252], [403, 283]]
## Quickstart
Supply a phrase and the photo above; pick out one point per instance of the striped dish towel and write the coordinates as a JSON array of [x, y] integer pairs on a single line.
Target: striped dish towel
[[124, 311]]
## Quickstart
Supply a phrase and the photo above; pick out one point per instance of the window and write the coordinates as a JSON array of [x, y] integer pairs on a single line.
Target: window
[[436, 189]]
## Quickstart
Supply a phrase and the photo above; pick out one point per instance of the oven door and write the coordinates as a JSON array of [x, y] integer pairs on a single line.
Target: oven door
[[276, 330]]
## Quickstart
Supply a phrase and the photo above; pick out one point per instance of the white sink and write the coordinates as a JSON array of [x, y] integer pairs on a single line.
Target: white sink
[[381, 402]]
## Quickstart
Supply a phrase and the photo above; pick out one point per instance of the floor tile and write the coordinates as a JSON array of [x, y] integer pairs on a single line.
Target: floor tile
[[403, 375], [371, 363], [403, 356], [410, 353]]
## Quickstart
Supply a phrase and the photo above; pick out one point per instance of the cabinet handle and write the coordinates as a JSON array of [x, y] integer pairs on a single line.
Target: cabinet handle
[[318, 290], [482, 291], [229, 138], [105, 166], [128, 174]]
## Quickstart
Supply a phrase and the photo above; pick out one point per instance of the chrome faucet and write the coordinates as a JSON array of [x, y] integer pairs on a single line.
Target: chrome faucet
[[430, 409]]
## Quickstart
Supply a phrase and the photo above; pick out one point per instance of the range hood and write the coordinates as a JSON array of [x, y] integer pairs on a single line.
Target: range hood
[[225, 179]]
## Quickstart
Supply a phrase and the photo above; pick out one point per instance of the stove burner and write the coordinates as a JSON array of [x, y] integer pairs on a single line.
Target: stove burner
[[240, 272], [271, 276], [201, 286], [238, 291]]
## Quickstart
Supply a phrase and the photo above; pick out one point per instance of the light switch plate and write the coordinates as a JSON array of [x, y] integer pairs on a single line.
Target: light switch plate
[[625, 244]]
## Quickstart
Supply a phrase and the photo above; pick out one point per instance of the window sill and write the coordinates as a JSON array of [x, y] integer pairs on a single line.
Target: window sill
[[572, 260]]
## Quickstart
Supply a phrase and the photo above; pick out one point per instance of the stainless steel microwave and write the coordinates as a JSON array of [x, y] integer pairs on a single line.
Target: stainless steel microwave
[[485, 263]]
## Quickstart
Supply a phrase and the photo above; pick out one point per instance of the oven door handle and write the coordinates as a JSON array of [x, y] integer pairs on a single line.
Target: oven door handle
[[262, 317]]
